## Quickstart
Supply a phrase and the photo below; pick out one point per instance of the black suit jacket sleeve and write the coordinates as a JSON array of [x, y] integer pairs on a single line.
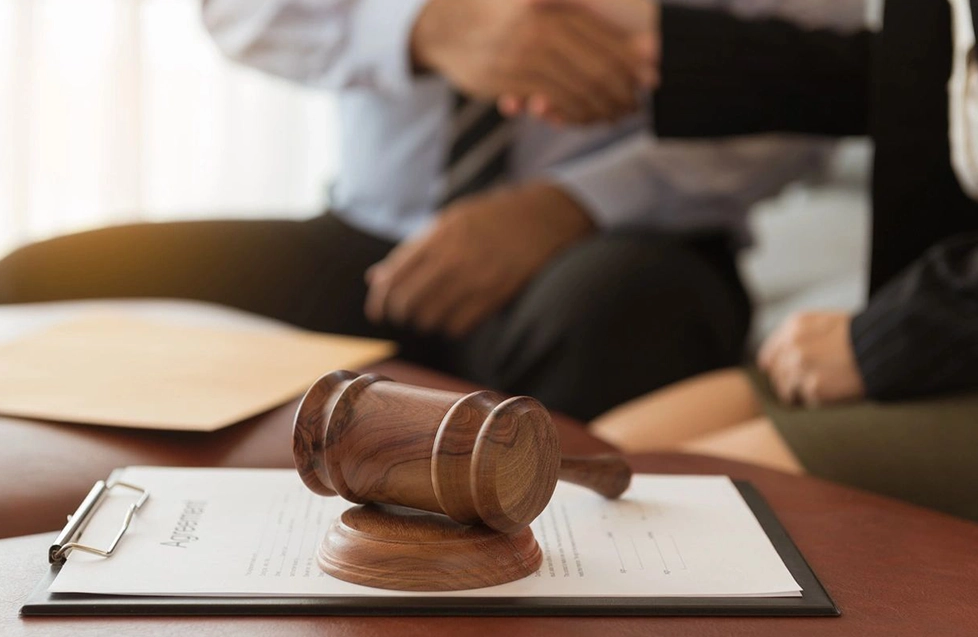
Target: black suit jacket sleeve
[[724, 76], [919, 335]]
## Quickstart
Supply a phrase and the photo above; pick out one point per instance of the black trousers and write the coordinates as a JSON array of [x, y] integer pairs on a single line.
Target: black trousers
[[609, 319]]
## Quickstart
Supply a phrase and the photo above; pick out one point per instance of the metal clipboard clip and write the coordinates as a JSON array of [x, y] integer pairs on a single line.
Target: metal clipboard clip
[[65, 543]]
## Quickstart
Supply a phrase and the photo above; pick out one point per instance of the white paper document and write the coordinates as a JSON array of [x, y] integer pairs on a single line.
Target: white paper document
[[254, 533]]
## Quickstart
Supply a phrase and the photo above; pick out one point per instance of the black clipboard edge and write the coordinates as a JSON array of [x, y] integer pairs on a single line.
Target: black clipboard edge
[[814, 602]]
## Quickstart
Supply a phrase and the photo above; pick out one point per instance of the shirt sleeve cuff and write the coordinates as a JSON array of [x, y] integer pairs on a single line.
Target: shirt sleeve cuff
[[381, 41], [614, 192]]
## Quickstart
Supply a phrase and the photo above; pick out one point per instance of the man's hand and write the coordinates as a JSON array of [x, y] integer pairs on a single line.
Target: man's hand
[[480, 253], [634, 17], [638, 20], [810, 360], [585, 69]]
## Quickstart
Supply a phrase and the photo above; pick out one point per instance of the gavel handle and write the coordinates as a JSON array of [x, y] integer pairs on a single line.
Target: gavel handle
[[608, 474]]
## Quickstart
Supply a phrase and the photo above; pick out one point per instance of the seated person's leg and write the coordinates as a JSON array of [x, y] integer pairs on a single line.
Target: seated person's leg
[[716, 414], [756, 442], [922, 451], [676, 415], [309, 273], [610, 319]]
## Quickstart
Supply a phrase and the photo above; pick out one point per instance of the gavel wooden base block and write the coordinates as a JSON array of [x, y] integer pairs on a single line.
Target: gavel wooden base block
[[392, 547], [474, 469]]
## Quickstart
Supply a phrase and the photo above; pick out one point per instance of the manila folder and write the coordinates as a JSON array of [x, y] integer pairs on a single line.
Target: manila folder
[[133, 372]]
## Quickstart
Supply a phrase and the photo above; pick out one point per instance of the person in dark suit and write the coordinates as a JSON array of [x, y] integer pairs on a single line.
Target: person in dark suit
[[886, 399]]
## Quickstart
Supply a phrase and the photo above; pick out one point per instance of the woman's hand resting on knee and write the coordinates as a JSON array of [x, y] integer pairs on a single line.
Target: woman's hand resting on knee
[[810, 360]]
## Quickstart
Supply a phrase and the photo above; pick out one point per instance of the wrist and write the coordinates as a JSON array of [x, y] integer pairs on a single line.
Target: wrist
[[560, 215]]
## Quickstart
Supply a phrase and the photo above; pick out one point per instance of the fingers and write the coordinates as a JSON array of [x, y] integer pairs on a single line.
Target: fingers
[[790, 334], [564, 95], [779, 361], [770, 350], [631, 59], [436, 310], [470, 314], [587, 70], [797, 384], [511, 105], [808, 360], [596, 72], [810, 391], [786, 376], [541, 107], [564, 74], [604, 62], [578, 87], [384, 277], [648, 48], [430, 299], [418, 288], [794, 359], [630, 16], [580, 4], [538, 106]]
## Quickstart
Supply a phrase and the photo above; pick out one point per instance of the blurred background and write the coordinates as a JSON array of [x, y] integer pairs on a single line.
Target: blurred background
[[115, 111], [122, 110]]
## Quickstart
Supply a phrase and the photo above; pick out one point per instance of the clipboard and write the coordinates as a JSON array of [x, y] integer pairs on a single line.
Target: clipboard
[[814, 602]]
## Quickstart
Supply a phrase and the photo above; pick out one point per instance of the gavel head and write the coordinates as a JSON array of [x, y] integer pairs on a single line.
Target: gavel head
[[478, 458]]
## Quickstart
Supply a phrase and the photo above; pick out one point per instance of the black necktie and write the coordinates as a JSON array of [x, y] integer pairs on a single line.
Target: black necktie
[[480, 148]]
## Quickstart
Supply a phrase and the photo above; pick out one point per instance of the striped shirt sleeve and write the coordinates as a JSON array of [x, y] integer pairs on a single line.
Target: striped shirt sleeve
[[919, 335]]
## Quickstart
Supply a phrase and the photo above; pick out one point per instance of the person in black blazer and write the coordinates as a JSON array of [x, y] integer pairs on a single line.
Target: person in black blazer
[[886, 399]]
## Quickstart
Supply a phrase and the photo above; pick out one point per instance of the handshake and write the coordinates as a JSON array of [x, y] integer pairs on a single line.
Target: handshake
[[567, 61]]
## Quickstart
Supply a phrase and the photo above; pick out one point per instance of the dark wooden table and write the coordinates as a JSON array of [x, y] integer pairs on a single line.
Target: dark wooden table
[[46, 469], [894, 569]]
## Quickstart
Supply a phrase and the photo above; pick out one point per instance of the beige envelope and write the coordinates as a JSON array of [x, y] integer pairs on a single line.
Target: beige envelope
[[132, 372]]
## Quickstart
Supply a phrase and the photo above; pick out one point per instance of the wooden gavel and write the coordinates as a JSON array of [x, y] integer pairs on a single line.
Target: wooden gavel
[[479, 458]]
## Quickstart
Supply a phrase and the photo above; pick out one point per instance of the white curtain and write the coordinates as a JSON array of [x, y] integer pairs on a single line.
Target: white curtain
[[121, 110]]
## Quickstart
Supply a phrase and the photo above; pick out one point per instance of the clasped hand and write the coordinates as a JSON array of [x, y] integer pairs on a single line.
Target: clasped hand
[[810, 360], [477, 256], [573, 61]]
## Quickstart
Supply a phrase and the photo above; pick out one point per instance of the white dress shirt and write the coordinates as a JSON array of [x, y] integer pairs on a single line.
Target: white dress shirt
[[395, 126], [963, 99]]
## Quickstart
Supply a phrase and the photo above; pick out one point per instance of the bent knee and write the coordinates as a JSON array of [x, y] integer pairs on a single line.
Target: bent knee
[[611, 279]]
